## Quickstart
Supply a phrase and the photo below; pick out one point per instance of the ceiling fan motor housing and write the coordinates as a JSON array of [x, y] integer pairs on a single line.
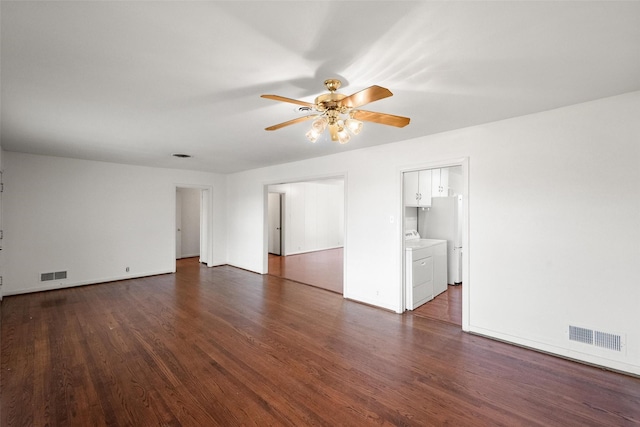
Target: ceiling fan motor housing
[[330, 101], [332, 84]]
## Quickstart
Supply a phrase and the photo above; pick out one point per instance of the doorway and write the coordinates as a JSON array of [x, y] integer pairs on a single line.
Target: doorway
[[305, 232], [188, 222], [192, 231], [435, 216], [275, 223]]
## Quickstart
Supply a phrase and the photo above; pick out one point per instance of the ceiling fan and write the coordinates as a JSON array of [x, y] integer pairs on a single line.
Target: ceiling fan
[[340, 112]]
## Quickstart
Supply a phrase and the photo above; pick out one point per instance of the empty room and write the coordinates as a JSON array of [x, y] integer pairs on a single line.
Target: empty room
[[218, 213]]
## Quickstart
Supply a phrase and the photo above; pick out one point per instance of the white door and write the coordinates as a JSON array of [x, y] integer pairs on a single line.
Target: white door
[[205, 214], [275, 223], [178, 224]]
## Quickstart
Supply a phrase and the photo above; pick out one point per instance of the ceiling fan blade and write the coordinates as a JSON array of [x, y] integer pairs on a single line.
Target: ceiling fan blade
[[383, 119], [292, 101], [365, 96], [292, 122]]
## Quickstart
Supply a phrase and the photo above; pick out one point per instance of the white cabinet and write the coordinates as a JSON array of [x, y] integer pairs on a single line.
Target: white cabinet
[[425, 271], [440, 182], [417, 188]]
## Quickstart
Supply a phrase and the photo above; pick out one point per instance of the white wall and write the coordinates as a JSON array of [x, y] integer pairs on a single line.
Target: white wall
[[94, 219], [2, 252], [554, 223], [189, 199], [313, 217]]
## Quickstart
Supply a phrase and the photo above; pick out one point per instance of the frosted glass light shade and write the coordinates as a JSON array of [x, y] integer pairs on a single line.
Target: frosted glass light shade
[[312, 135], [355, 126], [319, 124], [343, 136]]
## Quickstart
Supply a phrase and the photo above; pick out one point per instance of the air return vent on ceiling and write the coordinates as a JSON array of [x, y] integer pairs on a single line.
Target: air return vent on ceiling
[[596, 338]]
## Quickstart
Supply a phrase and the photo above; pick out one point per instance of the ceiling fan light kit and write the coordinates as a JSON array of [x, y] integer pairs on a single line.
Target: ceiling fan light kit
[[339, 113]]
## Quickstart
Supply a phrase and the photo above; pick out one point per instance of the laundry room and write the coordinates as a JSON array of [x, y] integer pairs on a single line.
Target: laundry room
[[433, 209]]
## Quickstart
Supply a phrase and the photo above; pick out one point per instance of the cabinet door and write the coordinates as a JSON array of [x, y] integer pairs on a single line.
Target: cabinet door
[[411, 191], [424, 188], [422, 271], [440, 182]]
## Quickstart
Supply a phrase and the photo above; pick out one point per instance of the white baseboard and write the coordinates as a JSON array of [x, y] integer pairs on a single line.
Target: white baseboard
[[563, 352], [313, 250], [62, 285], [189, 256]]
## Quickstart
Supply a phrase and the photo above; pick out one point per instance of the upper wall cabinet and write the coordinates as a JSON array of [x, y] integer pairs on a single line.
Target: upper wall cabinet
[[440, 182], [417, 188]]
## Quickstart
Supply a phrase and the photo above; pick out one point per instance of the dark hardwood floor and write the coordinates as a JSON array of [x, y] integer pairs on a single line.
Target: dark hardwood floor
[[446, 307], [226, 347], [323, 269]]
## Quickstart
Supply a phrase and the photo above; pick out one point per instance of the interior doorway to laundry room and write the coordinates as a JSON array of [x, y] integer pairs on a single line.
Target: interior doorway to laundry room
[[434, 204], [305, 232]]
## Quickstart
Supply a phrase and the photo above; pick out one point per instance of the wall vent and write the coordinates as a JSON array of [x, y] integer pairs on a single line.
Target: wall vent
[[596, 338], [581, 334], [56, 275], [45, 277], [609, 341]]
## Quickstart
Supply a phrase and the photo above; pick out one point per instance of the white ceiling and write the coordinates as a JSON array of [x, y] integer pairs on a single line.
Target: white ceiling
[[133, 82]]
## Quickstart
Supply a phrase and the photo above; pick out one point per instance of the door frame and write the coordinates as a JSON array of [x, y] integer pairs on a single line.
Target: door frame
[[466, 252], [206, 228]]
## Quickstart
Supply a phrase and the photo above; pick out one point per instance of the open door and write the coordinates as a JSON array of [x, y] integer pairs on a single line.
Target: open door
[[275, 223], [178, 223], [205, 234]]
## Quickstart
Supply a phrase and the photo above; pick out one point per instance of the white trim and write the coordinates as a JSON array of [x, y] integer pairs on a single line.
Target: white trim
[[328, 248], [577, 356], [105, 280], [190, 255]]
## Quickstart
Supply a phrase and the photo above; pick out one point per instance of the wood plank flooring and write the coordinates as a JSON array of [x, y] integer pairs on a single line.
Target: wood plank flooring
[[226, 347], [446, 307], [323, 269]]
